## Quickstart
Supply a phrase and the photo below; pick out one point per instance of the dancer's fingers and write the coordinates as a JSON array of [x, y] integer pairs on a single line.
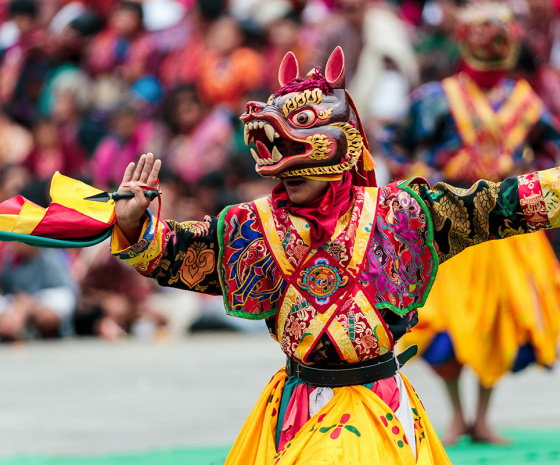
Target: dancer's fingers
[[143, 202], [127, 177], [154, 173], [147, 168], [139, 168]]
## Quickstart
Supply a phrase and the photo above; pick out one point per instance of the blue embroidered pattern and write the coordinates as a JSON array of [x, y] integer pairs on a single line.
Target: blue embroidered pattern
[[252, 267]]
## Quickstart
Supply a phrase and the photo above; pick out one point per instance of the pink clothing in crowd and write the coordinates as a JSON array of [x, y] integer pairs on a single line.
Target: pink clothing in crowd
[[113, 155], [203, 150]]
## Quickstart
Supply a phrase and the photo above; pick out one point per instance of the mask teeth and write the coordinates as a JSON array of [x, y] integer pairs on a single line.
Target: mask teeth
[[262, 156], [256, 157], [269, 130], [276, 156]]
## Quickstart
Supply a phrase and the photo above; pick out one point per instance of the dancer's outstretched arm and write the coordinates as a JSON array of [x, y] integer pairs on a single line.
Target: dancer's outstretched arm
[[182, 255], [491, 210]]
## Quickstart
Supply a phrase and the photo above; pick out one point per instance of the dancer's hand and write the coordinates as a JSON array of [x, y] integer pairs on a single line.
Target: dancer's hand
[[131, 211]]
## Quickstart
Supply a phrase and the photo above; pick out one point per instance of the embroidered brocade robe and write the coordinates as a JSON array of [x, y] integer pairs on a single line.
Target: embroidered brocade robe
[[355, 296], [462, 135]]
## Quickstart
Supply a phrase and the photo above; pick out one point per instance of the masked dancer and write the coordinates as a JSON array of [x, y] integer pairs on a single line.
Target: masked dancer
[[494, 308]]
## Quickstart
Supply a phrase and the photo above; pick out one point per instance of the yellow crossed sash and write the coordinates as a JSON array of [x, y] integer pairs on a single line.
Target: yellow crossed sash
[[326, 321], [490, 137]]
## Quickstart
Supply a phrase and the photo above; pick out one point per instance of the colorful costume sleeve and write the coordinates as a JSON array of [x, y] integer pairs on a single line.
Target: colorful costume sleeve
[[182, 255], [490, 210]]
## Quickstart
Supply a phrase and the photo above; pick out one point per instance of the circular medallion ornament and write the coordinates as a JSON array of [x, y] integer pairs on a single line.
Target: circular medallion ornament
[[321, 280]]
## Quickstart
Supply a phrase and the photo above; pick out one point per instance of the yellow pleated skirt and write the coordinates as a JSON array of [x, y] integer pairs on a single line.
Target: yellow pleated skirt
[[355, 427], [492, 299]]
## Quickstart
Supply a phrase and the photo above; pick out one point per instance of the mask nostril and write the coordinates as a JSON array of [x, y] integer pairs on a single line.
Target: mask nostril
[[253, 108]]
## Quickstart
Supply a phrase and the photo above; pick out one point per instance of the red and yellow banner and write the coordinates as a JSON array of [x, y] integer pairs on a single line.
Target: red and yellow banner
[[68, 216]]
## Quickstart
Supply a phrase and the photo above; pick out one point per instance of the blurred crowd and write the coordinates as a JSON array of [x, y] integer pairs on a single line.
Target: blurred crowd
[[87, 86]]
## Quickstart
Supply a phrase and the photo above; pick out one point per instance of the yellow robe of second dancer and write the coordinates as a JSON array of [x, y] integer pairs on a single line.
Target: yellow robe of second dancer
[[496, 297], [513, 298]]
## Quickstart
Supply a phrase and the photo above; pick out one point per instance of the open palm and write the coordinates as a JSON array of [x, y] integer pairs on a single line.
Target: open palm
[[130, 211]]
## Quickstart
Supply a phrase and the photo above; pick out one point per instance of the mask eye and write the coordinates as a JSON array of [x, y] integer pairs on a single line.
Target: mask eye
[[304, 118]]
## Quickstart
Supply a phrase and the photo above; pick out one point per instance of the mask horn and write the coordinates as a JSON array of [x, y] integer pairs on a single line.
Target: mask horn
[[289, 69], [335, 69]]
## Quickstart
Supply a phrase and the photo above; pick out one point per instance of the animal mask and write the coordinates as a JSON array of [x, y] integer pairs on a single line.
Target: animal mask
[[309, 127], [488, 36]]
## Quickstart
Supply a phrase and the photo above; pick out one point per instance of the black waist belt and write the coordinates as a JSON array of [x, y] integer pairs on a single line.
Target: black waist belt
[[382, 367]]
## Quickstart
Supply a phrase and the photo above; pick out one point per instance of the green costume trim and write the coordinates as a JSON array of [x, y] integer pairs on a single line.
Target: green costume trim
[[291, 383], [47, 242], [222, 243], [430, 244]]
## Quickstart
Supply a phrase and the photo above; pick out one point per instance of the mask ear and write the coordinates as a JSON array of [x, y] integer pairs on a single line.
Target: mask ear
[[289, 69], [335, 69]]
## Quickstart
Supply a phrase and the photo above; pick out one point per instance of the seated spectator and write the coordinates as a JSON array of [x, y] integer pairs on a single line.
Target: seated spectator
[[113, 299], [436, 49], [283, 36], [53, 152], [24, 64], [66, 44], [146, 95], [38, 292], [129, 135], [182, 65], [13, 179], [227, 68], [67, 94], [67, 98], [17, 141], [202, 135], [123, 48]]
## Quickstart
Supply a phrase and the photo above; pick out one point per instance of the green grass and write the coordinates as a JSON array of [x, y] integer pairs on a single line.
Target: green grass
[[183, 456], [540, 447], [528, 447]]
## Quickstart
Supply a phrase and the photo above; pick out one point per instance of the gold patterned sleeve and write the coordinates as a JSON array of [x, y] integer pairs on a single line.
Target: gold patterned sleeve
[[491, 210], [182, 255]]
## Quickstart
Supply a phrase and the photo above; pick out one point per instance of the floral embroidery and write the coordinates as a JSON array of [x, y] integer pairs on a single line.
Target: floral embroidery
[[549, 211], [296, 323], [419, 430], [391, 423], [179, 254], [364, 337], [296, 330], [399, 263], [338, 427], [338, 250]]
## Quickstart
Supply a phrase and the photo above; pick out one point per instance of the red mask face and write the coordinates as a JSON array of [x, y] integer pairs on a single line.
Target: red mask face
[[308, 128], [488, 37]]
